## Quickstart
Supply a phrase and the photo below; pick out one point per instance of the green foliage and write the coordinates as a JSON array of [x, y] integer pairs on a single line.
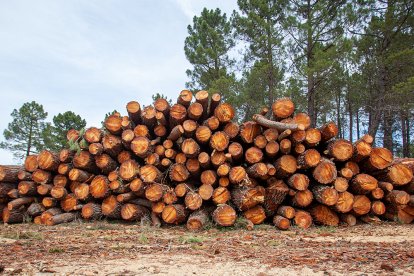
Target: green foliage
[[24, 134], [162, 96], [258, 25], [207, 48], [54, 134]]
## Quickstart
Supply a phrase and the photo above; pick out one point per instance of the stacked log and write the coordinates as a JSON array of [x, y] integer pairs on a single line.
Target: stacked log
[[191, 163]]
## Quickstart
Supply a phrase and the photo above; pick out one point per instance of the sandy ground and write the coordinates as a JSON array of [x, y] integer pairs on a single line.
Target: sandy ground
[[107, 248]]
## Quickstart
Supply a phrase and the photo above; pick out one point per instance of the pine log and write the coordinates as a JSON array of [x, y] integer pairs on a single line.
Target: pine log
[[363, 184], [49, 202], [99, 187], [345, 202], [361, 150], [60, 218], [377, 193], [49, 213], [155, 191], [178, 114], [378, 208], [283, 108], [302, 219], [224, 215], [13, 216], [91, 211], [303, 119], [329, 131], [193, 200], [18, 202], [47, 160], [82, 192], [199, 219], [27, 188], [149, 174], [361, 206], [224, 112], [179, 173], [340, 149], [302, 198], [325, 194], [245, 198], [349, 219], [112, 145], [323, 215], [182, 189], [60, 180], [285, 165], [5, 188], [341, 184], [286, 211], [148, 116], [256, 215], [281, 222], [163, 106], [214, 102], [41, 176], [13, 193], [134, 212], [275, 193], [313, 137], [128, 170], [271, 134], [30, 163], [325, 172], [346, 173], [190, 128], [64, 168], [111, 208], [174, 214], [169, 197], [298, 181], [35, 209], [236, 151], [80, 175], [257, 170], [396, 197], [190, 148], [379, 159], [398, 213], [70, 203], [113, 124], [397, 174], [221, 195], [58, 192], [85, 161], [206, 191], [23, 175], [354, 167], [93, 135]]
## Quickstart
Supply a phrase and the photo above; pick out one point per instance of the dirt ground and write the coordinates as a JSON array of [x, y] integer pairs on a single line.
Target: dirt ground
[[107, 248]]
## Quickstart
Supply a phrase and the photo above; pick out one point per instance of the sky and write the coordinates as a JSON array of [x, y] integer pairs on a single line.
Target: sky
[[94, 56]]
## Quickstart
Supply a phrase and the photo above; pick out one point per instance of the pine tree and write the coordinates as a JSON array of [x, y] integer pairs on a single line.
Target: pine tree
[[24, 133]]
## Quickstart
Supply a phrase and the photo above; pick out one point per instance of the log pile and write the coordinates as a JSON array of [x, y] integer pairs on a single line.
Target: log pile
[[191, 163]]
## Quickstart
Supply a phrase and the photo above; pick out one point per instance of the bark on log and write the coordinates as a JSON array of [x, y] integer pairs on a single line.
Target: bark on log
[[60, 218]]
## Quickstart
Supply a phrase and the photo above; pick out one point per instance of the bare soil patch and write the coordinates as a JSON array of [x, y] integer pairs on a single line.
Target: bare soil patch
[[107, 248]]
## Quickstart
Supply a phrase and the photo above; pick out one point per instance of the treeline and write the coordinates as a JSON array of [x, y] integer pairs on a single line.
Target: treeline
[[29, 132], [351, 62]]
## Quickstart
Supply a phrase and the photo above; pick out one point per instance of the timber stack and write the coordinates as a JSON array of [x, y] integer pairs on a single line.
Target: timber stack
[[191, 163]]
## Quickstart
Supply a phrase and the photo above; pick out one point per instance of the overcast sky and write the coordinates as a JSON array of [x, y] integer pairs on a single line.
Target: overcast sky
[[93, 56]]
